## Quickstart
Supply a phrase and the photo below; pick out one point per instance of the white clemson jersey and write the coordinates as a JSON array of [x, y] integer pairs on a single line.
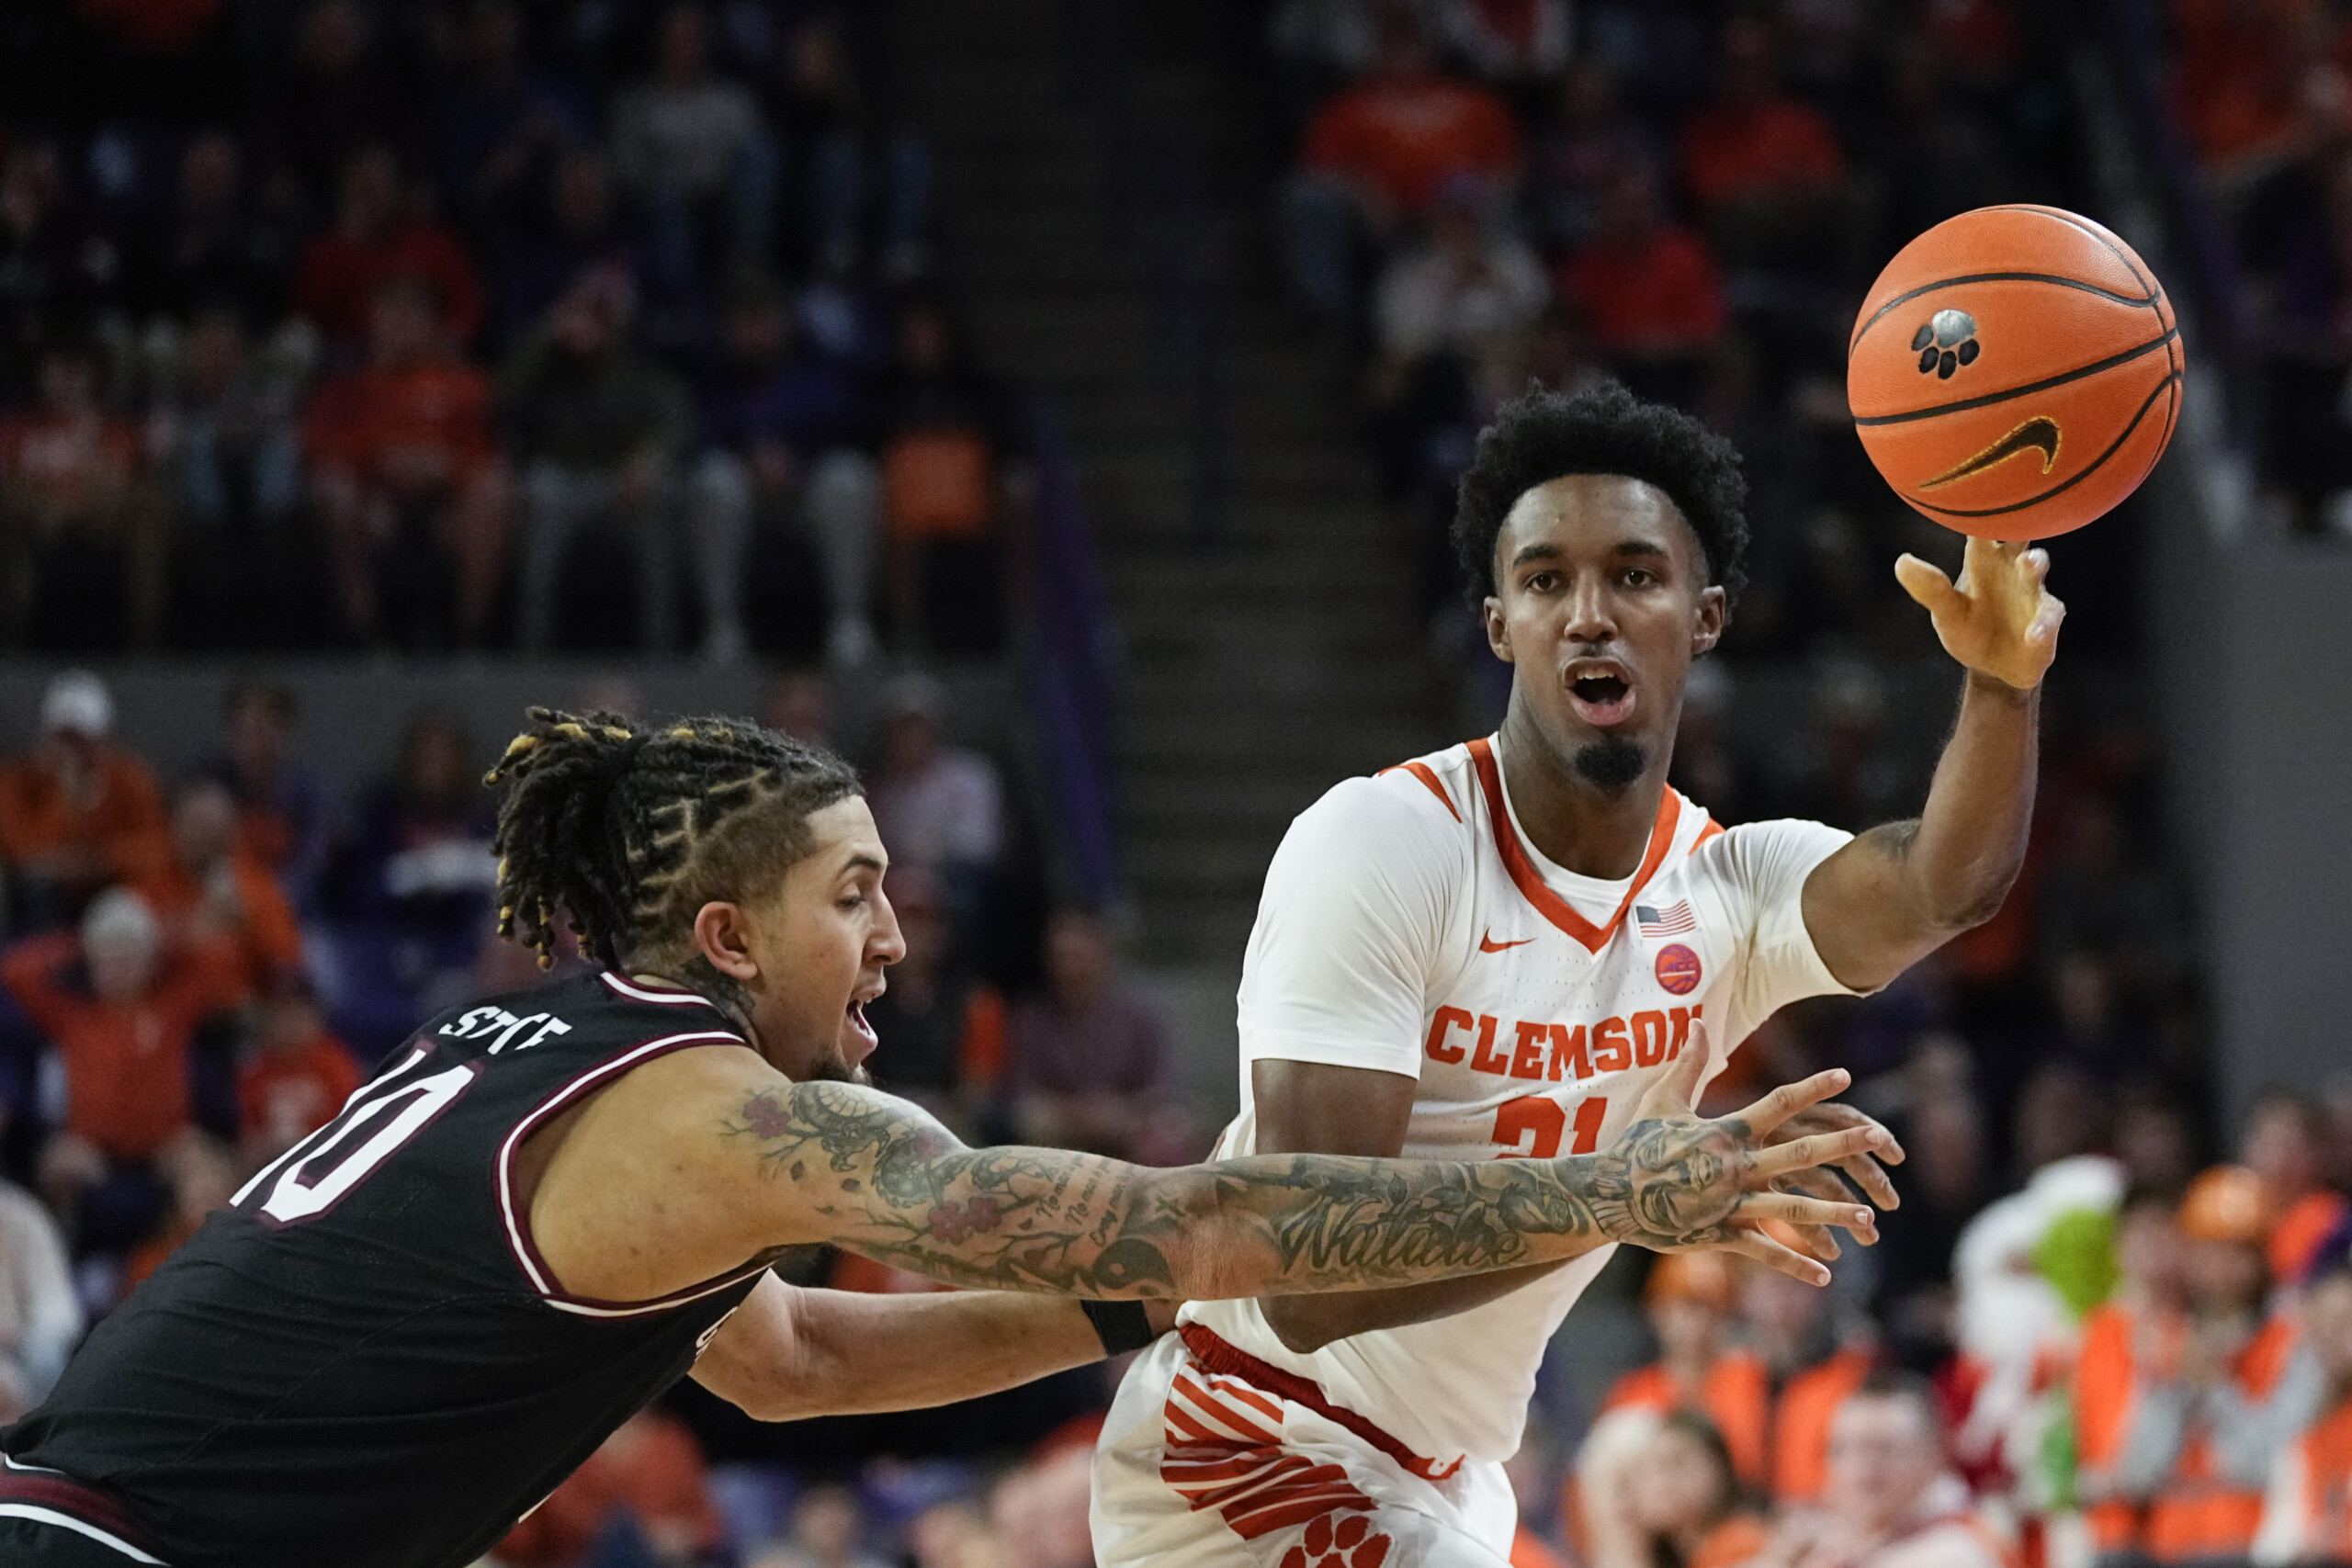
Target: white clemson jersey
[[1408, 926]]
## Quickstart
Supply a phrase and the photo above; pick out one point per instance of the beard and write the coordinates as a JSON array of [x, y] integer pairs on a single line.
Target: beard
[[1610, 763], [832, 1069]]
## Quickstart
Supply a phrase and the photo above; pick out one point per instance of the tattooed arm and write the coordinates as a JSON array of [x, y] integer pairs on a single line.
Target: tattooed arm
[[705, 1159]]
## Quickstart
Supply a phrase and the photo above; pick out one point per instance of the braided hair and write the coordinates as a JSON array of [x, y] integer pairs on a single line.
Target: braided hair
[[630, 830]]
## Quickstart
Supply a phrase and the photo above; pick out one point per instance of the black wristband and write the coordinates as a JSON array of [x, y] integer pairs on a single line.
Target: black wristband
[[1121, 1326]]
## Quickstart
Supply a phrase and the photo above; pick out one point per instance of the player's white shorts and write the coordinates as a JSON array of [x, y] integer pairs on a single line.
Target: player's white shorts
[[1206, 1466]]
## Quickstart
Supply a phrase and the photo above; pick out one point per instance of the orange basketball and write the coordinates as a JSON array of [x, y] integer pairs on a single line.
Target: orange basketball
[[2015, 372]]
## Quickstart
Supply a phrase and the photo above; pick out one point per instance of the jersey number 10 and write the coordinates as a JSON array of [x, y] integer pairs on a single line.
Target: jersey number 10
[[316, 1174]]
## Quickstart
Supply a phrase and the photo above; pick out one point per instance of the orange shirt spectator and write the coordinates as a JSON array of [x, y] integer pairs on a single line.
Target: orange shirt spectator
[[295, 1083], [650, 1469], [1689, 1298], [1648, 287], [1405, 135], [395, 424], [1801, 1423], [1751, 140], [125, 1052], [1736, 1394], [78, 810], [206, 889]]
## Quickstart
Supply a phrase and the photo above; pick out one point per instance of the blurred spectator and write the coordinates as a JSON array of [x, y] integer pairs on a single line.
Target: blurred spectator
[[1891, 1500], [1670, 1499], [2154, 1140], [828, 1531], [1648, 288], [540, 244], [851, 180], [199, 1177], [411, 493], [1041, 1506], [955, 1534], [694, 151], [218, 249], [596, 430], [2210, 1412], [644, 1486], [2305, 1517], [232, 449], [120, 1010], [284, 817], [778, 422], [1690, 1299], [2252, 84], [941, 1028], [41, 1320], [295, 1081], [2283, 1146], [1087, 1063], [77, 811], [1507, 40], [939, 807], [1587, 146], [1792, 1329], [2092, 1028], [1377, 154], [798, 702], [411, 900], [1943, 1181], [339, 91], [1466, 290], [53, 270], [1762, 165], [208, 890], [2138, 1328], [500, 123], [949, 487], [2061, 1112], [77, 507], [381, 231]]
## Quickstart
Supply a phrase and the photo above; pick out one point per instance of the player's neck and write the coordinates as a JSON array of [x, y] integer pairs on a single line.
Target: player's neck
[[1573, 822]]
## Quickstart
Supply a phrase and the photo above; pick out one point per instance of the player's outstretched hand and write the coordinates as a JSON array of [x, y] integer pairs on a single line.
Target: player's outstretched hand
[[1675, 1181], [1998, 619], [1821, 1180]]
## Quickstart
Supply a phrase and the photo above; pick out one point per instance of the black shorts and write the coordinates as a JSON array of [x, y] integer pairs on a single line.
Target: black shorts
[[35, 1543]]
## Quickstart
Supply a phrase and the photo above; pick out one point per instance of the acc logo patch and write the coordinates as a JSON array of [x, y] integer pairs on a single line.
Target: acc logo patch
[[1678, 969]]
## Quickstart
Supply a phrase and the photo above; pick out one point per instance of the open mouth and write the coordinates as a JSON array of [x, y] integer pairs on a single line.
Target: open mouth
[[858, 1022], [1602, 699]]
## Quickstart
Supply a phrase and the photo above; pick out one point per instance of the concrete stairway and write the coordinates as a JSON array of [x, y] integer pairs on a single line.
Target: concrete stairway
[[1267, 663]]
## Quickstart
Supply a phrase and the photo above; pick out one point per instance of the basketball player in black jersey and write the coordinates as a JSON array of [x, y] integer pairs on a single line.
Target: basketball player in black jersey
[[406, 1330]]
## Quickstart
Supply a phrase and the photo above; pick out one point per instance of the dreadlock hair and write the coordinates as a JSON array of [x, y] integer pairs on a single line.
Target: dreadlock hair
[[630, 831], [1547, 435]]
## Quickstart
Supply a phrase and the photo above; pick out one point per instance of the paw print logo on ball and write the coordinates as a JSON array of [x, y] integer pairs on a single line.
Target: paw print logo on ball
[[1348, 1544], [1945, 342]]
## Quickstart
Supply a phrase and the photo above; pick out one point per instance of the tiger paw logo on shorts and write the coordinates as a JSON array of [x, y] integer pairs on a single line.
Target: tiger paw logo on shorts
[[1351, 1543]]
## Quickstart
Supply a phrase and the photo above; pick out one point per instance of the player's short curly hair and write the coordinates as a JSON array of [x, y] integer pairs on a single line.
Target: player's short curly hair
[[1547, 435]]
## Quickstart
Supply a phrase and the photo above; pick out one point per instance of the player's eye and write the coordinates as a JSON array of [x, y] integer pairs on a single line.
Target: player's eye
[[1640, 577], [1543, 582]]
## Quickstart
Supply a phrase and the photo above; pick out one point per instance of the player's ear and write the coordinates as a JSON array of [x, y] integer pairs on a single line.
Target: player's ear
[[723, 935], [1497, 633], [1707, 624]]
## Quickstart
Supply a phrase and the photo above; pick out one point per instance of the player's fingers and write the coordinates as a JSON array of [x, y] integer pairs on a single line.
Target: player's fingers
[[1822, 1148], [1871, 1177], [1677, 1089], [1926, 584], [2037, 566], [1815, 1182], [1773, 1256], [1790, 1097], [2047, 617], [1793, 1209]]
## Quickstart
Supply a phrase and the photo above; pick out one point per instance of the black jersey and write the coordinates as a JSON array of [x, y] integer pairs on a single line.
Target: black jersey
[[364, 1361]]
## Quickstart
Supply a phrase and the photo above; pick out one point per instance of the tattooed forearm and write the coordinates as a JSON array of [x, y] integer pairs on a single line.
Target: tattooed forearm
[[891, 1183]]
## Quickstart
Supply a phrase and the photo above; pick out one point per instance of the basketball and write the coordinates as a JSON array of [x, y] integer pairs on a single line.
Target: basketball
[[2015, 372]]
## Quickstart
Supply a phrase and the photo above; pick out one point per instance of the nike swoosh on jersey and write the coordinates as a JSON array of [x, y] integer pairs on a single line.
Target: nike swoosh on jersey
[[1488, 943]]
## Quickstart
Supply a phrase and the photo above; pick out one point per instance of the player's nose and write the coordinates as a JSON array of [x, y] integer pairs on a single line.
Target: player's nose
[[886, 943], [1590, 617]]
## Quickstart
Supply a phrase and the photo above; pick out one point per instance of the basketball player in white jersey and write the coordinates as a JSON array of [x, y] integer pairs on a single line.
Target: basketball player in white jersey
[[1494, 950]]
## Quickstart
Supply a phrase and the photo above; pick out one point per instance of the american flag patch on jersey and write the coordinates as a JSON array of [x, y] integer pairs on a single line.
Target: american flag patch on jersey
[[1673, 921]]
